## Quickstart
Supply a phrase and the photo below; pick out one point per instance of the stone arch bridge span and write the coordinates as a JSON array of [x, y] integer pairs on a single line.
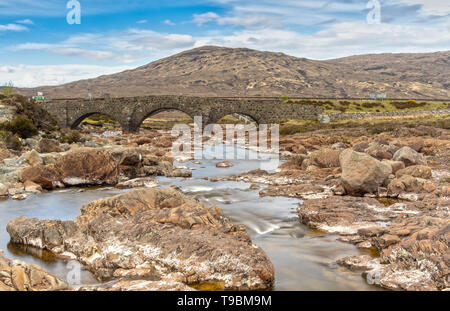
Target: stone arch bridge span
[[130, 112]]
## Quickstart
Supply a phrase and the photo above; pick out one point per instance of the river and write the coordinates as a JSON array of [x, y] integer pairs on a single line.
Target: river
[[303, 258]]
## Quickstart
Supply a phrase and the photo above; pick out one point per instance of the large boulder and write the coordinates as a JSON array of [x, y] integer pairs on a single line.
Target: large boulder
[[88, 166], [157, 234], [362, 173], [20, 276], [47, 176], [409, 157]]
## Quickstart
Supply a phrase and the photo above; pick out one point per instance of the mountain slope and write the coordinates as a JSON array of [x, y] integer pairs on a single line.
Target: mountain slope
[[217, 71]]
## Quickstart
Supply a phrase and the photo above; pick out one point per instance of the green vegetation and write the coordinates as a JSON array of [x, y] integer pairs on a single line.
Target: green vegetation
[[8, 89], [12, 141], [101, 120], [373, 125], [70, 137], [20, 125], [330, 106]]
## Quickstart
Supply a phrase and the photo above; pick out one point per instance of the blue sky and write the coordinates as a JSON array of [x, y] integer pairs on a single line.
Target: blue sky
[[39, 47]]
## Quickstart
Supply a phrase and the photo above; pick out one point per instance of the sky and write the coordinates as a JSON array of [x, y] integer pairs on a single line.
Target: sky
[[42, 43]]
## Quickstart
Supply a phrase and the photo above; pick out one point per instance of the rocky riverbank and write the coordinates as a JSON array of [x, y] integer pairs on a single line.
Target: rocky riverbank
[[156, 235], [124, 161], [386, 194]]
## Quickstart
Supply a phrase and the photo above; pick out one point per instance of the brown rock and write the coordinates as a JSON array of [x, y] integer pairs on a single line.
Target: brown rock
[[325, 158], [153, 233], [88, 166], [48, 145], [419, 171], [395, 165], [47, 176], [409, 157], [362, 173], [19, 276], [224, 164]]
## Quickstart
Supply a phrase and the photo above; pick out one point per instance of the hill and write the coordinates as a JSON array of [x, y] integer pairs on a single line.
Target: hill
[[219, 71]]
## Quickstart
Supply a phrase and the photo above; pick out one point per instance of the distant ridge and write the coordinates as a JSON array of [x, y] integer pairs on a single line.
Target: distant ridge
[[219, 71]]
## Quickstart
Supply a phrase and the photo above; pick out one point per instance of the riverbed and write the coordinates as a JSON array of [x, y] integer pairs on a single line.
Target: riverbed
[[303, 259]]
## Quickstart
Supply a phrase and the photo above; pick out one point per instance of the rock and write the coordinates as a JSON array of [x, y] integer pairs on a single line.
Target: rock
[[338, 146], [445, 192], [33, 158], [4, 152], [47, 176], [87, 166], [409, 157], [378, 151], [360, 147], [146, 182], [395, 165], [3, 190], [325, 158], [417, 145], [299, 149], [224, 164], [406, 183], [32, 187], [385, 241], [362, 173], [144, 140], [32, 143], [254, 187], [126, 285], [419, 171], [339, 214], [357, 263], [20, 276], [154, 233], [46, 145]]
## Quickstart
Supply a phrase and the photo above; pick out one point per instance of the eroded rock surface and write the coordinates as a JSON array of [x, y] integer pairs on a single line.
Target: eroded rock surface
[[20, 276], [153, 233]]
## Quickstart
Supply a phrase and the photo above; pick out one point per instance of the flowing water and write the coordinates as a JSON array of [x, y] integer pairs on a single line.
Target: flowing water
[[303, 258]]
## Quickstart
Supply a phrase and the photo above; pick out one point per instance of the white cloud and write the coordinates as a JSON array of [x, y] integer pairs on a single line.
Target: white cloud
[[339, 40], [249, 20], [429, 7], [204, 18], [12, 27], [130, 46], [32, 76], [169, 22], [144, 21], [25, 22]]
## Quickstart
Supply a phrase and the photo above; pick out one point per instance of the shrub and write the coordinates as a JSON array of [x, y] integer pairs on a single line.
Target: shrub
[[21, 126], [12, 141], [8, 89], [70, 137], [408, 104]]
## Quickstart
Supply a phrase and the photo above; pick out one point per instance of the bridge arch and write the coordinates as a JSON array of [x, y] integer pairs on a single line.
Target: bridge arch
[[159, 110], [245, 116], [76, 123]]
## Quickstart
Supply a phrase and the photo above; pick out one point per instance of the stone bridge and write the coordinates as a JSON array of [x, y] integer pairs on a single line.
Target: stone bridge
[[130, 112]]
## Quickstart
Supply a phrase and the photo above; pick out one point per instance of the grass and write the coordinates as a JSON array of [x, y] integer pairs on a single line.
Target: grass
[[337, 106], [374, 125]]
